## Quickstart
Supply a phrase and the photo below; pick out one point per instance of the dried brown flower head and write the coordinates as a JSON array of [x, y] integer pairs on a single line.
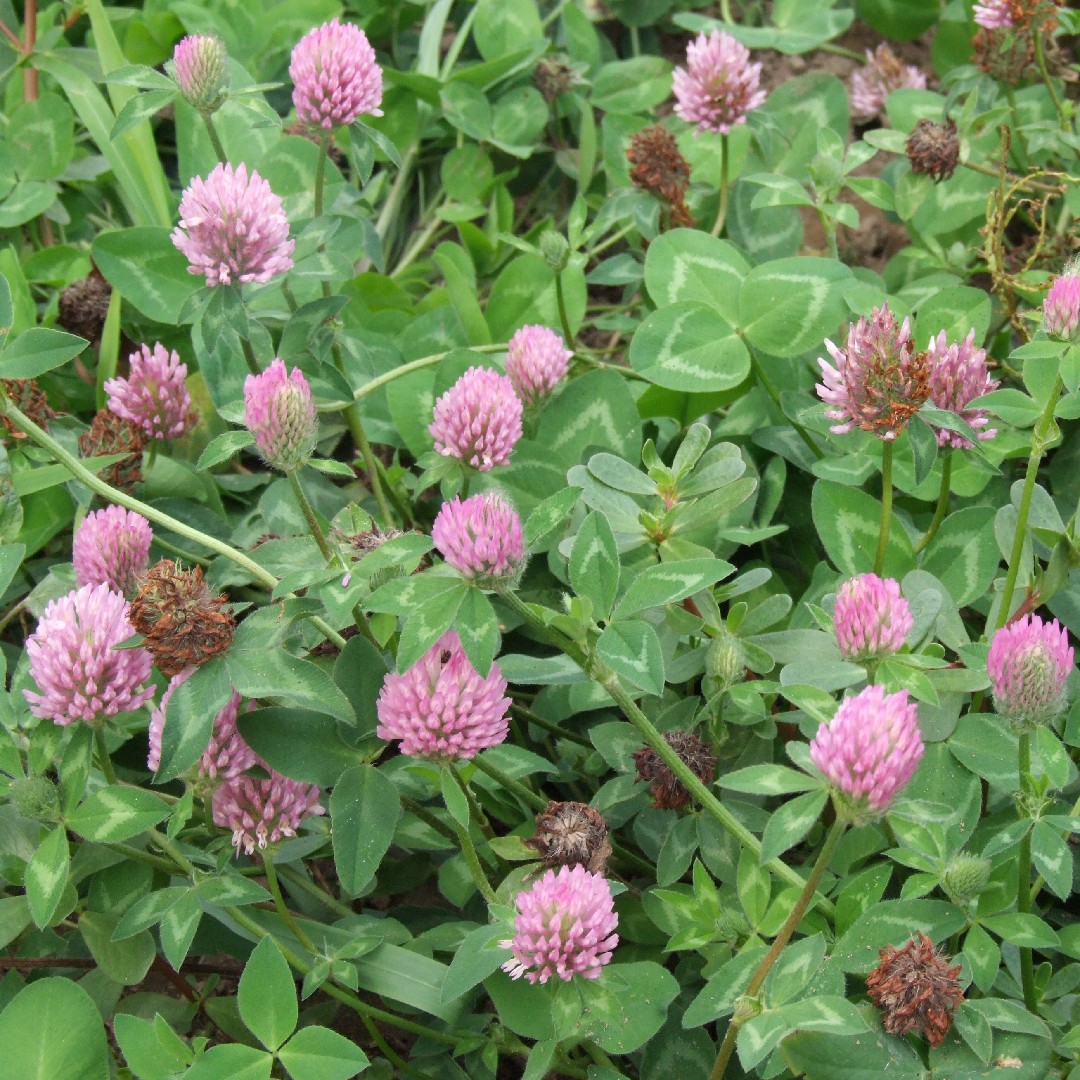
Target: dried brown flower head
[[659, 167], [934, 149], [29, 398], [554, 75], [571, 834], [84, 305], [183, 624], [111, 434], [669, 793], [916, 989]]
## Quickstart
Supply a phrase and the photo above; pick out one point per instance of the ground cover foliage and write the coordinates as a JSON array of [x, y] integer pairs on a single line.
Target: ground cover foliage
[[539, 539]]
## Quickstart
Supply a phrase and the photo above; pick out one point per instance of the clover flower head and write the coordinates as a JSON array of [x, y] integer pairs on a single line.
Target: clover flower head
[[879, 380], [335, 75], [958, 374], [480, 537], [112, 547], [719, 84], [869, 751], [478, 420], [200, 66], [1061, 308], [882, 73], [872, 619], [994, 14], [261, 811], [233, 228], [75, 663], [154, 395], [536, 362], [565, 926], [1029, 663], [279, 412], [441, 708]]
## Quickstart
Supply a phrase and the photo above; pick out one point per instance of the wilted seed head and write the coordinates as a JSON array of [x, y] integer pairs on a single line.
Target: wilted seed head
[[879, 381], [965, 878], [916, 989], [934, 148], [183, 624], [668, 792], [882, 73], [29, 399], [200, 66], [554, 75], [571, 834], [112, 434], [659, 167], [84, 305]]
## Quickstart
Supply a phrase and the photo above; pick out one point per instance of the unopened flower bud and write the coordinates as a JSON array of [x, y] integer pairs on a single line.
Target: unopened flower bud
[[200, 66], [35, 797], [725, 662], [279, 412], [965, 878], [555, 249]]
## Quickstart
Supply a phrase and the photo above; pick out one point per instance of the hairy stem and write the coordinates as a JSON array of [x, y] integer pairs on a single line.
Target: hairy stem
[[886, 506], [727, 1047], [942, 506], [215, 139], [282, 908], [309, 516], [1023, 881], [721, 213]]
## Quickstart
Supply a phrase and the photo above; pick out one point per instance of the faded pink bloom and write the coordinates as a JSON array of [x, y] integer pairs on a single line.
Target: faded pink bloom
[[335, 75], [565, 926], [440, 708], [261, 812], [75, 662], [200, 66], [279, 412], [478, 420], [233, 228], [882, 73], [154, 395], [536, 362], [1061, 308], [869, 751], [226, 756], [994, 14], [872, 619], [480, 537], [112, 547], [879, 381], [958, 374], [719, 85], [1029, 664]]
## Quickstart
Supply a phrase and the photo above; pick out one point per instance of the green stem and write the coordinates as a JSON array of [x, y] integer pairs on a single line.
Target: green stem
[[725, 11], [766, 383], [508, 783], [432, 821], [104, 761], [174, 853], [610, 682], [151, 513], [380, 381], [560, 299], [472, 860], [942, 502], [475, 810], [721, 213], [320, 173], [560, 732], [886, 506], [135, 853], [215, 139], [611, 241], [282, 908], [346, 997], [359, 436], [1040, 56], [180, 553], [1043, 434], [302, 881], [1017, 128], [249, 356], [727, 1047], [1023, 881], [309, 516]]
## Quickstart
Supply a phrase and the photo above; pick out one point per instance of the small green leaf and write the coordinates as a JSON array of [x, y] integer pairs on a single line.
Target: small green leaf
[[670, 581], [38, 350], [231, 1061], [453, 797], [364, 810], [317, 1053], [632, 650], [477, 626], [125, 962], [266, 995], [790, 823], [223, 447], [47, 876], [594, 564], [114, 814]]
